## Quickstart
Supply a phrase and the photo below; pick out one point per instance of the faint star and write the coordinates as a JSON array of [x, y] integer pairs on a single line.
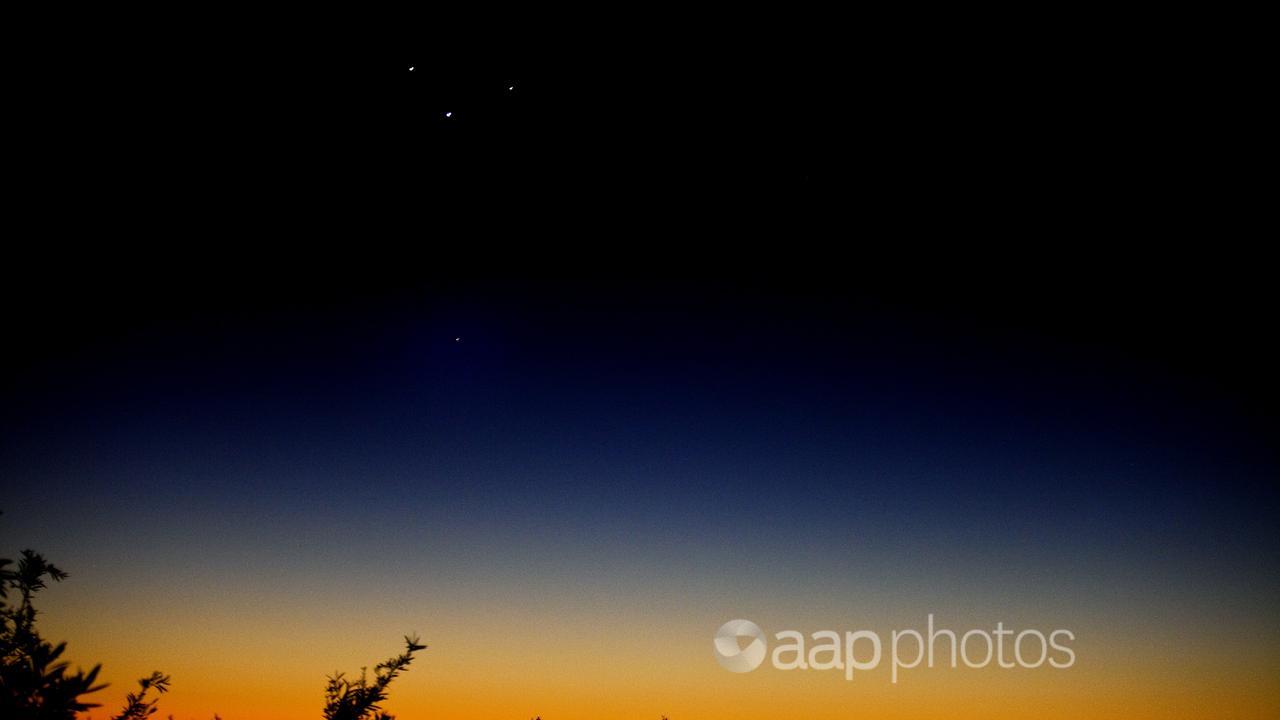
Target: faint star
[[457, 339]]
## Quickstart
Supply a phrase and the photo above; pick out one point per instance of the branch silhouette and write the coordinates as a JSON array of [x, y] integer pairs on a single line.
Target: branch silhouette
[[361, 699], [137, 707]]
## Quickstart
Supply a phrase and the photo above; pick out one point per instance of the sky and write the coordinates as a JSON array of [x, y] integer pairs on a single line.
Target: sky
[[620, 377], [565, 490]]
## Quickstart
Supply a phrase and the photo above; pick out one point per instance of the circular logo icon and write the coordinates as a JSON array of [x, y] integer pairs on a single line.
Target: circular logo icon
[[731, 654]]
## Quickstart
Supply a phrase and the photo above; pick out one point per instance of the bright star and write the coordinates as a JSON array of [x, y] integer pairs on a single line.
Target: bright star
[[448, 114], [410, 68]]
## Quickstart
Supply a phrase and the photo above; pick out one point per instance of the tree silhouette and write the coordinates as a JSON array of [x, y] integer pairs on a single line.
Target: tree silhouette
[[361, 699], [36, 685], [34, 681]]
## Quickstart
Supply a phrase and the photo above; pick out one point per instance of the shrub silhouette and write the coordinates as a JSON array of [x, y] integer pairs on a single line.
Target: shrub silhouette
[[360, 699], [34, 681]]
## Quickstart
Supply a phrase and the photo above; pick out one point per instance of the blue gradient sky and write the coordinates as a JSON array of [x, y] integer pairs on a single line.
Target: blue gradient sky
[[682, 454]]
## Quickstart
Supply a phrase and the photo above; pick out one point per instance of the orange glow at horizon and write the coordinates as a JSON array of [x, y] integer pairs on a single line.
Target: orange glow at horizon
[[591, 662]]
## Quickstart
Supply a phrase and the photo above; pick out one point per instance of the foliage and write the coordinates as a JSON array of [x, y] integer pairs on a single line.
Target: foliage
[[361, 699], [137, 707], [35, 683]]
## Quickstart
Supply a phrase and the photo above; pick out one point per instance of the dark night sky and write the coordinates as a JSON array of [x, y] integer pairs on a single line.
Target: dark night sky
[[983, 230], [1024, 218]]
